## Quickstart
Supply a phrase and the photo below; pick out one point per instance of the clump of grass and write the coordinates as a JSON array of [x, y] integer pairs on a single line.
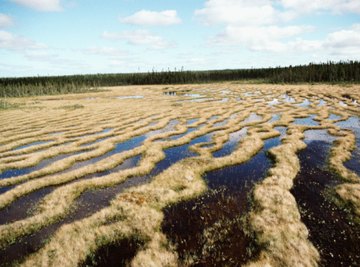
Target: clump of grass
[[72, 107], [6, 105]]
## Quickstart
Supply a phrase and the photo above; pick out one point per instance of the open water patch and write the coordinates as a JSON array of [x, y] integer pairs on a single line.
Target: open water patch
[[353, 124], [252, 118], [308, 121], [42, 164], [130, 97], [335, 236], [334, 117], [37, 143], [209, 229], [230, 145]]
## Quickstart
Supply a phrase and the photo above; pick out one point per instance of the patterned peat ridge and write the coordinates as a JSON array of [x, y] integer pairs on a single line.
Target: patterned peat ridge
[[88, 203], [182, 177]]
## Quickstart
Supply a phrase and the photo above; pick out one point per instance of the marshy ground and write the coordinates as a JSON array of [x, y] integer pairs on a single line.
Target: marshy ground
[[183, 175]]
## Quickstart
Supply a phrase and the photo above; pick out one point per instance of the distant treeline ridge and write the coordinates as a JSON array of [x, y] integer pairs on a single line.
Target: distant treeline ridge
[[348, 71]]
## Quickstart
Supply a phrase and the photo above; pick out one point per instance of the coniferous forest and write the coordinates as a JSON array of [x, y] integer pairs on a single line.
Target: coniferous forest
[[330, 72]]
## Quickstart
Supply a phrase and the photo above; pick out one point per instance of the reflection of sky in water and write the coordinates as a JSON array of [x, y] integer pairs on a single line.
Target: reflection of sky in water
[[56, 133], [213, 117], [119, 147], [248, 94], [334, 117], [229, 146], [40, 165], [304, 104], [253, 117], [201, 99], [31, 144], [318, 135], [191, 121], [221, 123], [233, 116], [127, 164], [309, 121], [193, 95], [341, 103], [99, 139], [353, 124], [169, 127], [275, 101], [224, 92], [106, 130], [288, 98], [274, 118], [282, 130], [130, 97], [321, 103]]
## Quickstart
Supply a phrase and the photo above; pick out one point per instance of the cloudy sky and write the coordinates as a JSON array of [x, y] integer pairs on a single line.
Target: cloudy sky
[[56, 37]]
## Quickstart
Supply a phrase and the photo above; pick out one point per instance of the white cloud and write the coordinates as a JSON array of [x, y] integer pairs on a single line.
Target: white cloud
[[344, 42], [345, 38], [41, 5], [259, 25], [14, 42], [241, 12], [152, 18], [288, 39], [265, 38], [5, 21], [334, 6], [139, 37]]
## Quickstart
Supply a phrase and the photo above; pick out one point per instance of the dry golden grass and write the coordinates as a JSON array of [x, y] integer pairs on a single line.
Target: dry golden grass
[[137, 212]]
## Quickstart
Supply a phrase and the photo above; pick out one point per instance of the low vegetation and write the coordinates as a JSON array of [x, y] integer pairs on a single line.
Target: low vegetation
[[86, 137]]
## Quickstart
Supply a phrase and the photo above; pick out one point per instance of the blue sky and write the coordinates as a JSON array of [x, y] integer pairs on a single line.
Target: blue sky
[[56, 37]]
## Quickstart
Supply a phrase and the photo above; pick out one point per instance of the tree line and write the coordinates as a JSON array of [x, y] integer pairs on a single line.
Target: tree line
[[331, 72]]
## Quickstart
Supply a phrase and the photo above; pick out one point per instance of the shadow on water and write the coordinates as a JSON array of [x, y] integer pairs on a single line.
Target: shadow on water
[[353, 124], [209, 230], [111, 256], [90, 202], [331, 231]]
